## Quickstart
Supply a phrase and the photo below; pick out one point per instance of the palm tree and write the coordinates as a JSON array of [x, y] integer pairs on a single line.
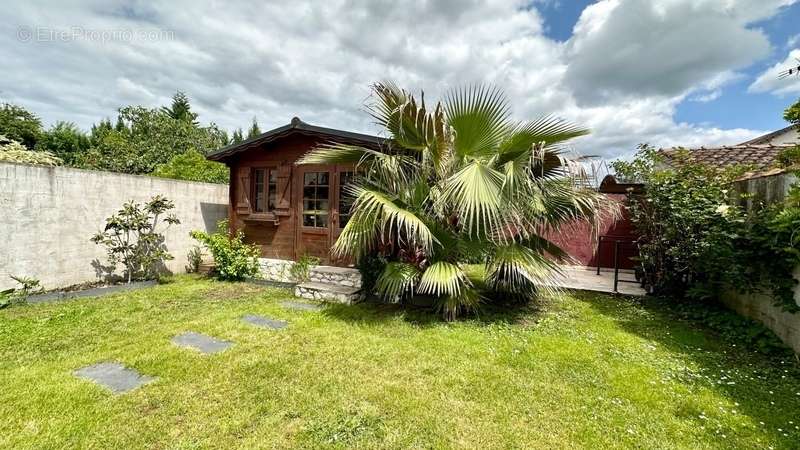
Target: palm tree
[[460, 182]]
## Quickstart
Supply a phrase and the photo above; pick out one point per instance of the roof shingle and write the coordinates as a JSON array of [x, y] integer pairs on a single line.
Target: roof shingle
[[758, 156]]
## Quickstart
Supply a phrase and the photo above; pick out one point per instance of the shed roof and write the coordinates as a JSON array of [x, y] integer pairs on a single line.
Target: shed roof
[[297, 126]]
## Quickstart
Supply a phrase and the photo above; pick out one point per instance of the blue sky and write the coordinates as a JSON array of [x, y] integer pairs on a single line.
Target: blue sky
[[735, 107], [665, 72]]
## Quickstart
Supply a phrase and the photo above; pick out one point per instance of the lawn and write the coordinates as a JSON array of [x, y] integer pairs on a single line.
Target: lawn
[[580, 370]]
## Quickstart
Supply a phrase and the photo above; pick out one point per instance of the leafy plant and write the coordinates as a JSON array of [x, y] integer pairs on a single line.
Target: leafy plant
[[131, 237], [20, 294], [195, 258], [687, 226], [13, 151], [299, 271], [193, 166], [234, 259], [458, 182]]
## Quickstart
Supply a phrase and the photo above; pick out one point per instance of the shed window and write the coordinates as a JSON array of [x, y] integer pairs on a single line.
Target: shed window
[[315, 199], [265, 188]]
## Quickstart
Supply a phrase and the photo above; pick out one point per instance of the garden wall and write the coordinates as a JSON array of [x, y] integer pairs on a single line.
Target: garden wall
[[769, 187], [48, 215]]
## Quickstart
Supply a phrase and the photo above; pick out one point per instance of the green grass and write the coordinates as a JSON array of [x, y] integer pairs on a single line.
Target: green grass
[[581, 371]]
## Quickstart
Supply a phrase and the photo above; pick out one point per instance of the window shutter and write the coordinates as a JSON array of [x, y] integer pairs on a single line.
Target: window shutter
[[243, 191], [284, 189]]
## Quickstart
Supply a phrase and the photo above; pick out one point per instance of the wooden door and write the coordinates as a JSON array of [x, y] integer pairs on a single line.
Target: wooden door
[[314, 206], [342, 204]]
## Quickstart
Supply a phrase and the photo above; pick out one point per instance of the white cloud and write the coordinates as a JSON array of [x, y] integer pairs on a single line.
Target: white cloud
[[622, 74], [769, 80], [661, 47]]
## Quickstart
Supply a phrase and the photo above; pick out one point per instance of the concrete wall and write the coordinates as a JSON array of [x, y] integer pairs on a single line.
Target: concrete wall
[[48, 215], [767, 189], [760, 307]]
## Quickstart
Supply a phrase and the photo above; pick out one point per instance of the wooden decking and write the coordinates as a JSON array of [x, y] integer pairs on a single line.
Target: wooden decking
[[586, 278]]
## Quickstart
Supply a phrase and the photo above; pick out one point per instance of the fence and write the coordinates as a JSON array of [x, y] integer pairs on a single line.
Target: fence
[[48, 215]]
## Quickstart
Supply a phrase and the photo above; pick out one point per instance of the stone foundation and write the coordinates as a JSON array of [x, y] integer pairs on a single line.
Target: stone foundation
[[276, 270], [340, 276]]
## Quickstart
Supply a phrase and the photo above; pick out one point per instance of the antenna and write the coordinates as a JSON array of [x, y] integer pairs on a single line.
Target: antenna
[[790, 71]]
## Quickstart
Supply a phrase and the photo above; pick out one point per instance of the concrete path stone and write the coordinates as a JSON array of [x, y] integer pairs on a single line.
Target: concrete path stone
[[113, 376], [200, 342], [303, 306], [264, 322]]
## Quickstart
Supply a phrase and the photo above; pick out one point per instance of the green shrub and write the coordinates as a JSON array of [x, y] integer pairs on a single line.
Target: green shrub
[[371, 267], [234, 259], [13, 151], [687, 227], [300, 269], [193, 166], [20, 294], [194, 258], [132, 237]]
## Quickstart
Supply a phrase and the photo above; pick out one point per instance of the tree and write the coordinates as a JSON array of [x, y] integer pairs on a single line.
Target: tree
[[19, 124], [237, 136], [254, 130], [792, 113], [460, 182], [131, 237], [145, 138], [193, 166], [65, 140], [180, 109]]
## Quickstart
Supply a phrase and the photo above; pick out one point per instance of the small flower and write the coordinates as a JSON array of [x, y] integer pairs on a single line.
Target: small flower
[[722, 210]]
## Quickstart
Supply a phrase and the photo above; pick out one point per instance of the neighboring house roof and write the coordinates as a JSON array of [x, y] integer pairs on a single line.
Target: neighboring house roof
[[297, 126], [788, 135], [759, 156]]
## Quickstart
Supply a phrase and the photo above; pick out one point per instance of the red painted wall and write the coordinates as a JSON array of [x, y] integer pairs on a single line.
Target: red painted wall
[[578, 240]]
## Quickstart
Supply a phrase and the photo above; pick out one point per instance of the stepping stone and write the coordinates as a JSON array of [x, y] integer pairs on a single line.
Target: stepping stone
[[200, 342], [301, 306], [264, 322], [113, 376]]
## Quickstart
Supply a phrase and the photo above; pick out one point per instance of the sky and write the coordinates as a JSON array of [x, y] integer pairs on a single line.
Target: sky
[[664, 72]]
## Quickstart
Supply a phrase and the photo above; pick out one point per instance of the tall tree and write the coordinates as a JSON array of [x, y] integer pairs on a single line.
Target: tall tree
[[456, 183], [792, 113], [65, 140], [254, 129], [19, 124], [237, 136], [180, 109]]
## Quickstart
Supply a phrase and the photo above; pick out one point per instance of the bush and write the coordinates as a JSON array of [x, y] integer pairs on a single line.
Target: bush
[[687, 228], [13, 151], [27, 286], [131, 237], [234, 259], [300, 269], [193, 166], [194, 258]]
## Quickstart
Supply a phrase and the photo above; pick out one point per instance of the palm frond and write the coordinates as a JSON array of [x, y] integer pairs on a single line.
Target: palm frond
[[479, 116], [335, 153], [443, 278], [397, 280], [520, 270], [475, 193], [411, 125], [451, 306], [378, 214]]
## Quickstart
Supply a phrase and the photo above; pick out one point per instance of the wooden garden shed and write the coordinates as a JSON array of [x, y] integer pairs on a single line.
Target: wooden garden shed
[[289, 210]]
